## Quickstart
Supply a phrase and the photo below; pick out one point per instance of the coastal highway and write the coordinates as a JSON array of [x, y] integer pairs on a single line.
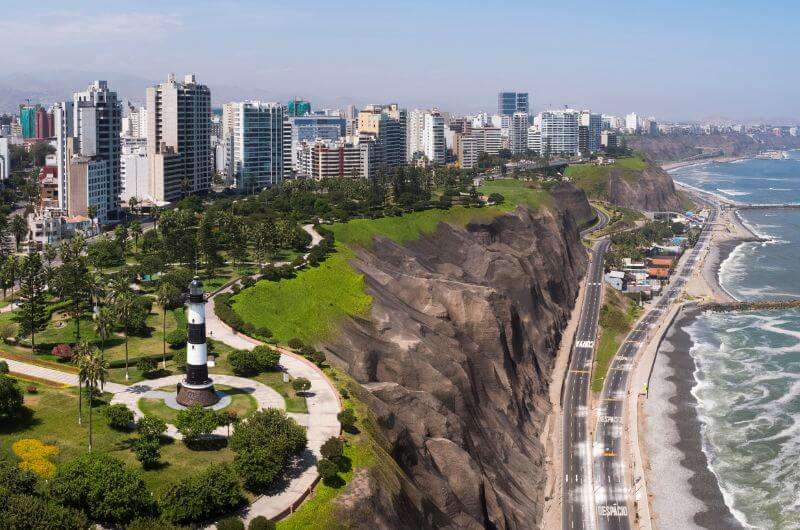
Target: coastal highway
[[577, 508], [611, 495]]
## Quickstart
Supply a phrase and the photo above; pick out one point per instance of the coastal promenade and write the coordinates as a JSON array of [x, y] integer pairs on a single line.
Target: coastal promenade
[[613, 493]]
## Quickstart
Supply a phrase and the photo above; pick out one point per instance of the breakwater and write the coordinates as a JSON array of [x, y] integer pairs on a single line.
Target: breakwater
[[762, 305]]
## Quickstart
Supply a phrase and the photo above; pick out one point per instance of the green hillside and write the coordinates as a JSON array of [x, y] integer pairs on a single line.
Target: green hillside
[[593, 179]]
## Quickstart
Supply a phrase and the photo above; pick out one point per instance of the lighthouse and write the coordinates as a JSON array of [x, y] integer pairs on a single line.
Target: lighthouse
[[197, 387]]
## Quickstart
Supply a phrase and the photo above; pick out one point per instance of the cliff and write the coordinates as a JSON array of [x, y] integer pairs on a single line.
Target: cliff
[[631, 182], [652, 190], [680, 147], [454, 362]]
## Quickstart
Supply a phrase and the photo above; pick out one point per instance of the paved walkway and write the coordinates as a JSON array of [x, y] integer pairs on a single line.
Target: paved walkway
[[50, 374], [265, 396], [323, 406]]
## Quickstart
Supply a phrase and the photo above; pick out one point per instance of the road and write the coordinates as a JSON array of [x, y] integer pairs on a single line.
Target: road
[[612, 497], [576, 445]]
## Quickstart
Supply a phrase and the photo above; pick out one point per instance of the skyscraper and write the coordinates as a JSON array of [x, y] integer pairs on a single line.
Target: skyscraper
[[386, 124], [179, 138], [258, 156], [559, 130], [518, 134], [433, 142], [594, 125], [298, 107], [27, 120], [88, 152], [44, 124], [510, 102]]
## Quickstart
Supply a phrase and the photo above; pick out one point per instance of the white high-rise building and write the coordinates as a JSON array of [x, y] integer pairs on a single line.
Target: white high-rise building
[[135, 169], [416, 123], [134, 125], [489, 139], [433, 142], [594, 124], [468, 153], [179, 138], [259, 156], [88, 129], [5, 162], [559, 129], [534, 139], [518, 134], [632, 122]]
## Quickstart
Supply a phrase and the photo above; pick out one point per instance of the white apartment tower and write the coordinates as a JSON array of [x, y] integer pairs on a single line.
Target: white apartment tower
[[518, 132], [179, 138], [433, 142], [559, 130], [259, 155], [88, 130], [632, 122]]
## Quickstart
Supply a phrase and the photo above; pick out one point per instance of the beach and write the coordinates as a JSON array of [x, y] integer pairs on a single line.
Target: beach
[[684, 492]]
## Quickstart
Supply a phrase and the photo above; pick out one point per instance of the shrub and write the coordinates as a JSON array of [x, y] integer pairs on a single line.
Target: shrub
[[152, 523], [103, 487], [105, 253], [264, 332], [248, 328], [147, 451], [17, 480], [267, 358], [179, 358], [332, 449], [39, 466], [230, 523], [63, 352], [347, 418], [244, 362], [10, 396], [261, 523], [327, 469], [301, 384], [264, 444], [306, 350], [31, 389], [38, 513], [212, 492], [195, 422], [247, 282], [177, 338], [295, 344], [145, 365], [316, 357], [151, 427], [496, 198], [118, 416], [3, 368]]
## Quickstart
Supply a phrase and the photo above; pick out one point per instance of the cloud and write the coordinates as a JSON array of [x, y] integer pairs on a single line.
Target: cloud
[[69, 28]]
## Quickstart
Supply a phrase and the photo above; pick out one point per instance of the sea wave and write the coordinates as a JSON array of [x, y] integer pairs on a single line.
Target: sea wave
[[733, 193]]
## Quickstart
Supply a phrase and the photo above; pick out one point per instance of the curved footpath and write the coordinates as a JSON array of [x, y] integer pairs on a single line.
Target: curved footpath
[[322, 400]]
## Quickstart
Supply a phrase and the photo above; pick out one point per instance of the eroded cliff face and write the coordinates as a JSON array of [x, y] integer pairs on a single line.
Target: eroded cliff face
[[455, 361], [652, 190]]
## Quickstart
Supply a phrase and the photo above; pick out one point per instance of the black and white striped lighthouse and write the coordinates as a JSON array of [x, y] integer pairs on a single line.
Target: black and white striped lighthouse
[[197, 387]]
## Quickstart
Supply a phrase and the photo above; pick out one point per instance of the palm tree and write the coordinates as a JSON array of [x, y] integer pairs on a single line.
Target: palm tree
[[79, 361], [124, 306], [168, 296], [136, 231], [95, 369], [103, 325]]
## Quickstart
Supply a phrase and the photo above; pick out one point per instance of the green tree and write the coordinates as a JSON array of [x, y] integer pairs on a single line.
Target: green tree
[[210, 493], [94, 369], [10, 396], [31, 315], [104, 488], [136, 232], [301, 384], [19, 229], [118, 416], [168, 297], [195, 422], [104, 325], [124, 309]]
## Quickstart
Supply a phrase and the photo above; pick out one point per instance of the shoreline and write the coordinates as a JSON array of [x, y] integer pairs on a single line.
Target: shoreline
[[690, 495], [687, 494]]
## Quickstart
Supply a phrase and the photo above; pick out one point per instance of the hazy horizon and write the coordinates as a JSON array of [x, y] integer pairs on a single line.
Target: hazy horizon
[[681, 62]]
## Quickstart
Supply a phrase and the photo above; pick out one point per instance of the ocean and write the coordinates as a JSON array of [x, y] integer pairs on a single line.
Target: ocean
[[747, 378]]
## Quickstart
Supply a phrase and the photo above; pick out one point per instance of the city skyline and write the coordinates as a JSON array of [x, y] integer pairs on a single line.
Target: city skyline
[[631, 58]]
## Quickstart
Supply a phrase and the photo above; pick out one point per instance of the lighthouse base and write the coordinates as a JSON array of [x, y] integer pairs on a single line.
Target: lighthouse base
[[203, 395]]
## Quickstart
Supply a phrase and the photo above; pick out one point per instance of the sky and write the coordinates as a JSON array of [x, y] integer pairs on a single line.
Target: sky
[[676, 60]]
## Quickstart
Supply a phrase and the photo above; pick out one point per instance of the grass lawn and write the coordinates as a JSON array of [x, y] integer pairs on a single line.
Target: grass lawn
[[616, 320], [54, 422], [309, 305], [593, 179], [241, 402], [361, 451], [274, 380]]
